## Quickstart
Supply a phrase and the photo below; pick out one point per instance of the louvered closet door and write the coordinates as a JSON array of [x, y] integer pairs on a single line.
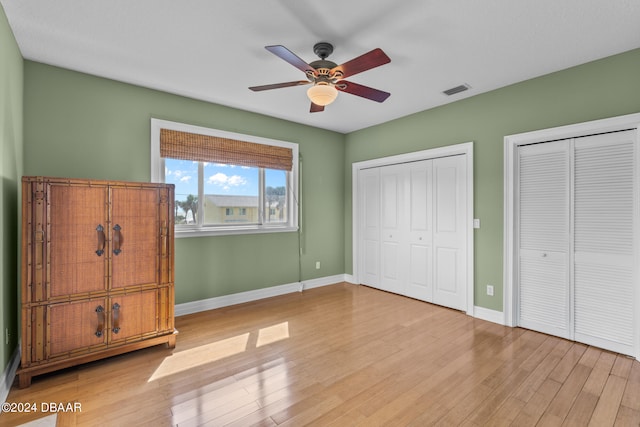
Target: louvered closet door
[[543, 238], [604, 197]]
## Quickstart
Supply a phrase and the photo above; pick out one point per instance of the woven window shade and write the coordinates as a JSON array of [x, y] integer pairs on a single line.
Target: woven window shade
[[205, 148]]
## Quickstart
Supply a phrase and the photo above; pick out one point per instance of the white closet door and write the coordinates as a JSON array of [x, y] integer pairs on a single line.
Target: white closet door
[[543, 238], [604, 241], [449, 232], [392, 221], [369, 195], [419, 283]]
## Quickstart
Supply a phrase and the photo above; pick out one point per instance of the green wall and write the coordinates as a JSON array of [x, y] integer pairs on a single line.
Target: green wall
[[596, 90], [82, 126], [11, 78], [77, 125]]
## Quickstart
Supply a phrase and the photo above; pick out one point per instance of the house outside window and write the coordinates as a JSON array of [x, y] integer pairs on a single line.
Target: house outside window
[[238, 196]]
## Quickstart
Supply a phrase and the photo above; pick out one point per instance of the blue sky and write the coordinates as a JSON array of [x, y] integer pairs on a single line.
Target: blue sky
[[218, 178]]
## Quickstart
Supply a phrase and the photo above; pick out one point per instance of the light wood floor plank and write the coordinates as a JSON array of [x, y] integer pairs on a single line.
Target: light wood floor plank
[[346, 355]]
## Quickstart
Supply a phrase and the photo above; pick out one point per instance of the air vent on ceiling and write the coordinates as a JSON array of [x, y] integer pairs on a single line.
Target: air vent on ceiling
[[456, 89]]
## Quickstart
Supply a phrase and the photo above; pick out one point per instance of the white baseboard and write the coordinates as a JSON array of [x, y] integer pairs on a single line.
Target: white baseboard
[[9, 374], [488, 315], [242, 297], [350, 279]]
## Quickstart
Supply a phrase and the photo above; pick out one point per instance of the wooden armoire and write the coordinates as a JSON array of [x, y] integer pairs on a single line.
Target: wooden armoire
[[97, 271]]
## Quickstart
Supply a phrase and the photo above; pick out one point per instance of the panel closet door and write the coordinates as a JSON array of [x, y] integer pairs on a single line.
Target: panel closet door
[[449, 232], [413, 226], [604, 199], [419, 280], [369, 201], [392, 227], [543, 238]]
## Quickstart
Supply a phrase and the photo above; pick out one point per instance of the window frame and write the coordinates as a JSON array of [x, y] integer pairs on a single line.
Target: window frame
[[198, 230]]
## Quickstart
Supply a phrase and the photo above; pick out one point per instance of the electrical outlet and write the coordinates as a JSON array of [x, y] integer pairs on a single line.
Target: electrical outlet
[[317, 265], [490, 290]]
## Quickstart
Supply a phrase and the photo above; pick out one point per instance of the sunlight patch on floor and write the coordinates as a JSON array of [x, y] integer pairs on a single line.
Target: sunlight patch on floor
[[201, 355], [198, 356], [273, 334]]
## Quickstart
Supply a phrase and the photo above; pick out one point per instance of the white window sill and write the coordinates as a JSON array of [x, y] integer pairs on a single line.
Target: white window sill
[[180, 232]]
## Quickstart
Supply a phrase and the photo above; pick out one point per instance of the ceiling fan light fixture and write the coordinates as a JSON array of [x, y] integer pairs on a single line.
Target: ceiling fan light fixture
[[322, 94]]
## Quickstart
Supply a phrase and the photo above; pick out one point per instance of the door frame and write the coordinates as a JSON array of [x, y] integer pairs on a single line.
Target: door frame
[[511, 144], [466, 149]]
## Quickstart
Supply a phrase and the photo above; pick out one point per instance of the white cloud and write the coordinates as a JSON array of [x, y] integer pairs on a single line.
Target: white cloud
[[226, 182], [236, 180], [186, 178]]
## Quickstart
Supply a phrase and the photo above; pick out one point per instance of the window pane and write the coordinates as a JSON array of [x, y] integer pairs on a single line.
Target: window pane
[[275, 197], [184, 174], [227, 190]]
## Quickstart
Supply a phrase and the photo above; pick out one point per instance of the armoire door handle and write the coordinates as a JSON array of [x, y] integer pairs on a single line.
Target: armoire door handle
[[116, 318], [117, 239], [100, 312], [101, 240]]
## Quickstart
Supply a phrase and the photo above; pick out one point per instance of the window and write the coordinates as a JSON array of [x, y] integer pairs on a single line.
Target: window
[[226, 183]]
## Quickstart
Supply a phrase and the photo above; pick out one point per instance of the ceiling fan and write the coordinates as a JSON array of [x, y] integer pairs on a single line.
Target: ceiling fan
[[327, 77]]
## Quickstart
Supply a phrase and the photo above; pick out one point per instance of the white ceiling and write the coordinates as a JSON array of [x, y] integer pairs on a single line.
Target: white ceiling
[[214, 50]]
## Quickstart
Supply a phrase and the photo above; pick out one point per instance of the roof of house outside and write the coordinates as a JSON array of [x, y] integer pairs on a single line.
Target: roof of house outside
[[233, 201]]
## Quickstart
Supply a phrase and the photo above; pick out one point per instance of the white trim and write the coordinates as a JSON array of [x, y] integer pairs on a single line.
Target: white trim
[[157, 175], [9, 375], [488, 315], [258, 294], [465, 148], [511, 143]]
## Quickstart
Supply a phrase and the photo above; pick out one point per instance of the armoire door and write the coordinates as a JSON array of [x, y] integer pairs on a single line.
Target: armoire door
[[135, 239], [77, 224], [133, 315], [73, 328]]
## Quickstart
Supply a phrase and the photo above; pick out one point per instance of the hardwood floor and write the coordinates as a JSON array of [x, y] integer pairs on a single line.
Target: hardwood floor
[[346, 355]]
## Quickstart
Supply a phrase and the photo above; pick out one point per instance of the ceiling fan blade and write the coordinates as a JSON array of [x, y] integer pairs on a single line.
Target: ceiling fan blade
[[364, 62], [315, 108], [293, 59], [363, 91], [279, 85]]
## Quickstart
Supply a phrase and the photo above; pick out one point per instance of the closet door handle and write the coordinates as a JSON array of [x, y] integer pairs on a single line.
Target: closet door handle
[[116, 318], [101, 240], [100, 312], [117, 239]]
